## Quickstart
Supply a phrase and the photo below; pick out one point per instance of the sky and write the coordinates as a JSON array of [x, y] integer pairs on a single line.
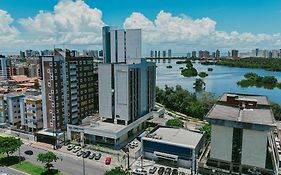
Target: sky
[[180, 25]]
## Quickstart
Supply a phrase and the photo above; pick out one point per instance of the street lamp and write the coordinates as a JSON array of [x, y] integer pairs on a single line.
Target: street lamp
[[82, 145], [18, 134]]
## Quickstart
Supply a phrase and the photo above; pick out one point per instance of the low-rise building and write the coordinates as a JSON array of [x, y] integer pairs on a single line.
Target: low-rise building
[[177, 146]]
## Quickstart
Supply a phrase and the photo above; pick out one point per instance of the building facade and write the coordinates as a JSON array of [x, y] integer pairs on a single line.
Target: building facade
[[68, 89]]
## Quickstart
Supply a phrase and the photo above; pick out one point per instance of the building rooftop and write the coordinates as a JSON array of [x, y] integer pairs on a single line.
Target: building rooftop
[[177, 136], [242, 108]]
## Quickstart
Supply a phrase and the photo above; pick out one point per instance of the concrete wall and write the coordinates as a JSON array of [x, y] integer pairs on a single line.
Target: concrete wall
[[221, 142], [254, 148], [105, 91]]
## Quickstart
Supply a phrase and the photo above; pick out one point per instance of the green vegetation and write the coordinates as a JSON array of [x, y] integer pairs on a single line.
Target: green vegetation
[[36, 84], [117, 171], [9, 145], [208, 62], [207, 129], [276, 109], [253, 79], [32, 169], [199, 85], [189, 72], [47, 158], [175, 123], [203, 74], [273, 64], [210, 69], [187, 61], [180, 100], [169, 67]]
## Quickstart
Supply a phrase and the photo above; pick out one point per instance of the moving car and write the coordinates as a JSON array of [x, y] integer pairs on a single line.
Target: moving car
[[152, 170], [98, 156], [107, 160], [92, 155]]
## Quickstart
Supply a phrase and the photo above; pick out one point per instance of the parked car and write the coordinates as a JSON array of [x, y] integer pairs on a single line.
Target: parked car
[[92, 155], [168, 171], [29, 152], [135, 143], [76, 149], [152, 170], [161, 170], [107, 160], [130, 145], [86, 154], [175, 172], [140, 171], [98, 156], [70, 147], [80, 153]]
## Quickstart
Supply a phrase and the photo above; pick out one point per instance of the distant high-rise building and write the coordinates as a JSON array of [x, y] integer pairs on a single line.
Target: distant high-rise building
[[234, 54], [169, 53], [206, 54], [213, 54], [188, 55], [69, 88], [193, 54], [121, 46], [3, 66], [164, 54], [159, 54], [151, 54], [22, 54], [155, 54], [218, 54], [200, 54]]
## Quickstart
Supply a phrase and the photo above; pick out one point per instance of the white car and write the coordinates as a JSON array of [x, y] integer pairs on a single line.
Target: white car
[[140, 171], [135, 143]]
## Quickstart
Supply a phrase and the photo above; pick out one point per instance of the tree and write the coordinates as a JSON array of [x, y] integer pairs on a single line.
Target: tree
[[175, 123], [117, 171], [47, 158], [199, 84], [276, 109], [9, 144], [36, 84], [207, 129]]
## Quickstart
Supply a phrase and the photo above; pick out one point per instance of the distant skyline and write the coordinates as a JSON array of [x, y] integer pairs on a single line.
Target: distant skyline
[[180, 25]]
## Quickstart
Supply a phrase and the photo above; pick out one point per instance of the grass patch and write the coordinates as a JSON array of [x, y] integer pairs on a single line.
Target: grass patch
[[5, 135], [34, 169]]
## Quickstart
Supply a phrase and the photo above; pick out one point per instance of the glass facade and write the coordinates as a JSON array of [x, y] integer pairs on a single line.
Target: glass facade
[[181, 152]]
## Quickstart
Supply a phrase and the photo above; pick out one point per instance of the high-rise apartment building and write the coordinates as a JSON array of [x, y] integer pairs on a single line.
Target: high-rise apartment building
[[217, 54], [121, 46], [164, 54], [69, 89], [169, 53], [234, 54], [193, 54]]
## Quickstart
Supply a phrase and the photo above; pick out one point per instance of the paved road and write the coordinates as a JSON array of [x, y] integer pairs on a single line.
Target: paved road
[[10, 171], [68, 164]]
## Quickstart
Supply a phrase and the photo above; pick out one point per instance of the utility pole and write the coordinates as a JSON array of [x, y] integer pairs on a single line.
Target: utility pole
[[82, 145]]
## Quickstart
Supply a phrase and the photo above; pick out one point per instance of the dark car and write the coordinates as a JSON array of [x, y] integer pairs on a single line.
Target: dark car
[[70, 147], [161, 170], [152, 170], [175, 172], [98, 156], [92, 155], [168, 171], [29, 152], [80, 153], [86, 154]]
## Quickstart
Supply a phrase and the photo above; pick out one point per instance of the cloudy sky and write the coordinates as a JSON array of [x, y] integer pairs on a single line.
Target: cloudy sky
[[180, 25]]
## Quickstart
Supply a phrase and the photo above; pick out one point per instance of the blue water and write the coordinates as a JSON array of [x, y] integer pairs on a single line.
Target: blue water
[[221, 79]]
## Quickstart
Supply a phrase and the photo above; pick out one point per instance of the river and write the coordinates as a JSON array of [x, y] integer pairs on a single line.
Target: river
[[221, 79]]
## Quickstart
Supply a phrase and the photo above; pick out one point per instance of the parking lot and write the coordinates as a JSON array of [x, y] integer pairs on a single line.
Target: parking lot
[[96, 156], [151, 167]]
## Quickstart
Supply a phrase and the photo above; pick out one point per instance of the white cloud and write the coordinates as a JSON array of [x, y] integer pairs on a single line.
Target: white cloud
[[71, 22], [8, 33], [182, 30]]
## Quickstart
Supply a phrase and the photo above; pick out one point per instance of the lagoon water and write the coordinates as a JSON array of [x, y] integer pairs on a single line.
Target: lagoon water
[[221, 79]]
